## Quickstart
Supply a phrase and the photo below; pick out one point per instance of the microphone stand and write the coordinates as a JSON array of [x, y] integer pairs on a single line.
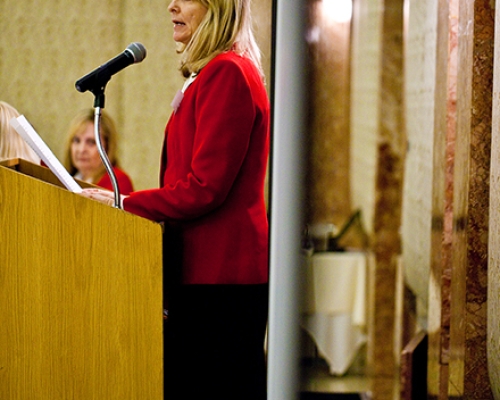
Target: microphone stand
[[98, 104]]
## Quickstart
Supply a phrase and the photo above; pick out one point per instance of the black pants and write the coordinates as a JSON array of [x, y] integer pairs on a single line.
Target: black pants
[[214, 343]]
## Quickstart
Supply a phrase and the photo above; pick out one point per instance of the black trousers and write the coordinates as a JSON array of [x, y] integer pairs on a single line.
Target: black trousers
[[214, 342]]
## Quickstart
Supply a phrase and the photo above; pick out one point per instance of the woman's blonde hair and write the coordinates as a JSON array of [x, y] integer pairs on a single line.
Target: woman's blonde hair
[[226, 26], [12, 145], [109, 137]]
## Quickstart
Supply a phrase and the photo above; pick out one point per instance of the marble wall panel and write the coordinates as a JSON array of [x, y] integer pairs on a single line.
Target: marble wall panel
[[493, 322], [389, 182], [442, 199], [329, 107], [365, 88], [468, 357], [377, 161], [420, 81]]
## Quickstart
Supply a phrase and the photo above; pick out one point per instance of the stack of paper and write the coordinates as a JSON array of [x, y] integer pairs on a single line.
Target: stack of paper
[[24, 128]]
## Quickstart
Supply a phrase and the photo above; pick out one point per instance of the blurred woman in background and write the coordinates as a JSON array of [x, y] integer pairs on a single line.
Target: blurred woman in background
[[82, 159]]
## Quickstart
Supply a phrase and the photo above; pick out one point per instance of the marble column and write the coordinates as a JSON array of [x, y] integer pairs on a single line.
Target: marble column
[[377, 160], [493, 330], [469, 278], [388, 186], [329, 107], [442, 199]]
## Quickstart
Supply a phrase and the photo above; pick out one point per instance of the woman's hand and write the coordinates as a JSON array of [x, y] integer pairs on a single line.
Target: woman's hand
[[102, 196]]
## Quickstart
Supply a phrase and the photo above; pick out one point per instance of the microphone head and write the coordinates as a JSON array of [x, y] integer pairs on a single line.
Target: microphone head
[[137, 50]]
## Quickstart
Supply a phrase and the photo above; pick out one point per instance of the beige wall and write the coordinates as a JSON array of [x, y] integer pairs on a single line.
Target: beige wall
[[365, 87], [46, 46], [420, 105]]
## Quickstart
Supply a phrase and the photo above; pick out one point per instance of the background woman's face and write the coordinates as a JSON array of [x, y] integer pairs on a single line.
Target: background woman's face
[[84, 152], [186, 17]]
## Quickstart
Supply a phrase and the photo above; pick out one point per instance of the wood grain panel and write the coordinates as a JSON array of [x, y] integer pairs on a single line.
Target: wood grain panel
[[80, 297]]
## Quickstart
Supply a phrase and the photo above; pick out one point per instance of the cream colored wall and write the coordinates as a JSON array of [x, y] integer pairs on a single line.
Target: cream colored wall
[[365, 87], [45, 47], [417, 195]]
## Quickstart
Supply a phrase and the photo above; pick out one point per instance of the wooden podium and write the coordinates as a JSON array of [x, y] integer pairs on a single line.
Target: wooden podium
[[80, 294]]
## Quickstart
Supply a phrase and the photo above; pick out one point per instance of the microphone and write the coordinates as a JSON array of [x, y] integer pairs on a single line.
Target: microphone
[[98, 78]]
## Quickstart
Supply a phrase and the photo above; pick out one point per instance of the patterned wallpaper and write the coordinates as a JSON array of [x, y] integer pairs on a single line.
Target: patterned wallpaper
[[45, 46]]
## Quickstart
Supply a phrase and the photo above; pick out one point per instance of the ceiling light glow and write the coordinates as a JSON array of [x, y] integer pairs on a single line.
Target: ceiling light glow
[[337, 10]]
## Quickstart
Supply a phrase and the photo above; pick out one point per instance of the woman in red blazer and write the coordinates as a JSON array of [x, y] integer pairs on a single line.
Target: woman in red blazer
[[211, 198]]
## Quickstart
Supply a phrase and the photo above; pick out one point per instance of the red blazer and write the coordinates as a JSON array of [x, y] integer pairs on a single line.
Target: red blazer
[[212, 175], [124, 181]]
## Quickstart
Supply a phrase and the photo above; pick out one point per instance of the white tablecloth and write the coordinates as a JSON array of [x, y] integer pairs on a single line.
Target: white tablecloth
[[334, 308]]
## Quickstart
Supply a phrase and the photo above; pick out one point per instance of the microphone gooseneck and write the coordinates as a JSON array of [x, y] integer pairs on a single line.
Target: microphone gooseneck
[[98, 78], [96, 82]]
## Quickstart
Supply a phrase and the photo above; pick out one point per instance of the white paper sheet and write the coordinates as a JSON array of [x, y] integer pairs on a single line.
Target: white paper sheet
[[30, 136]]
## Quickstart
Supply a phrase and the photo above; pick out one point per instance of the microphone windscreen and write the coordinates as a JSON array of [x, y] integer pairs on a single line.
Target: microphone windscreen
[[138, 51]]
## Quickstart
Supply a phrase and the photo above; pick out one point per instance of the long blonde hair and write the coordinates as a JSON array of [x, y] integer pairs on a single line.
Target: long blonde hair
[[109, 136], [12, 145], [226, 26]]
